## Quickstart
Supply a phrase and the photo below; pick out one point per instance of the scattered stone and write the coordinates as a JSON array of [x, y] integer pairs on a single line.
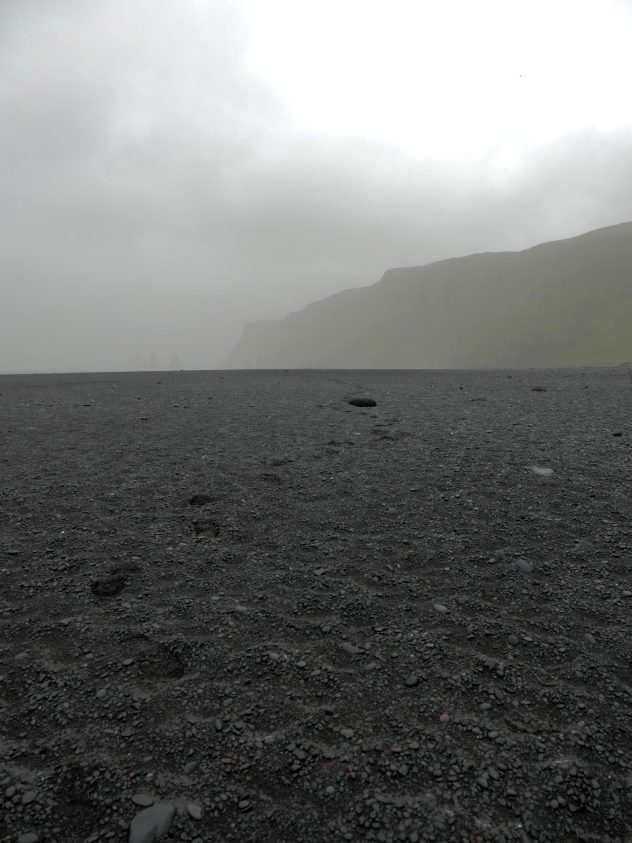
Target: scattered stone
[[194, 810], [28, 797], [199, 499], [347, 733], [143, 800], [538, 388], [411, 680], [29, 837], [351, 648], [361, 401], [444, 718], [588, 636], [152, 823], [523, 566], [439, 607], [541, 472]]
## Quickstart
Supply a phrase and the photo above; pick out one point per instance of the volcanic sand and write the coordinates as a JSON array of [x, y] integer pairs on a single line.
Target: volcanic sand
[[294, 619]]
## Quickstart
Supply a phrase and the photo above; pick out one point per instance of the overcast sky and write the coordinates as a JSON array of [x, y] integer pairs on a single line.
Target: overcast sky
[[170, 169]]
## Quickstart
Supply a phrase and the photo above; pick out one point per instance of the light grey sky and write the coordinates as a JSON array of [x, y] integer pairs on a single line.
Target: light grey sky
[[170, 170]]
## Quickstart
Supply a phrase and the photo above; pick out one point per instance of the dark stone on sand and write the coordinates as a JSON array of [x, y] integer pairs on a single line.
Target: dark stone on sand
[[108, 586], [362, 401], [199, 499], [538, 388], [151, 823]]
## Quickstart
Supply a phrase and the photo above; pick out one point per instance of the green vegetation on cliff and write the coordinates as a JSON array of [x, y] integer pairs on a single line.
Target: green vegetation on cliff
[[563, 303]]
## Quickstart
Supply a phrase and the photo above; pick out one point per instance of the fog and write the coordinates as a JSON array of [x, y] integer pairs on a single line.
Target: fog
[[173, 170]]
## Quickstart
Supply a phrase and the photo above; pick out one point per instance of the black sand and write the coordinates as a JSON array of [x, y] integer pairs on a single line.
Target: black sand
[[299, 620]]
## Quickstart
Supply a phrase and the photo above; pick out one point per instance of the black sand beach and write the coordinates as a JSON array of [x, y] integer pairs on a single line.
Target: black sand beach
[[293, 619]]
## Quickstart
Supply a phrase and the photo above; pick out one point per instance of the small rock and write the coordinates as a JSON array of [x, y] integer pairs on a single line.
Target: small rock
[[200, 499], [144, 800], [541, 472], [588, 636], [347, 733], [101, 693], [361, 401], [29, 797], [538, 388], [29, 837], [411, 680], [439, 607], [351, 648], [524, 566], [152, 823], [244, 804], [194, 810]]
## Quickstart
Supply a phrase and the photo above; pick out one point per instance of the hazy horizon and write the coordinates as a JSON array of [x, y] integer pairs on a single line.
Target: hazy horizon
[[172, 172]]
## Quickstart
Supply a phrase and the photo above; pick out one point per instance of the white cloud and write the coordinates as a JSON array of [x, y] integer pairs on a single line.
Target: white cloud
[[172, 174]]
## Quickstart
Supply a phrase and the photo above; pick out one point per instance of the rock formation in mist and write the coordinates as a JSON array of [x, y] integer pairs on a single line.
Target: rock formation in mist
[[563, 303]]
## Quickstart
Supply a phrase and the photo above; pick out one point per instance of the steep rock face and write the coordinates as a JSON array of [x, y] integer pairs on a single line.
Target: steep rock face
[[567, 302]]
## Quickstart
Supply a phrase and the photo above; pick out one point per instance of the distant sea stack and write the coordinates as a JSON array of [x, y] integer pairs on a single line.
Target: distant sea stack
[[564, 303]]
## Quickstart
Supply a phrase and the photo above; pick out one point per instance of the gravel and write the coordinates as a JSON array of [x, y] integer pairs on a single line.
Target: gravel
[[275, 616]]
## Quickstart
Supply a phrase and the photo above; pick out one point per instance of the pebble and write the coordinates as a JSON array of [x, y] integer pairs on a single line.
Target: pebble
[[439, 607], [588, 636], [411, 680], [29, 837], [541, 472], [194, 810], [351, 648], [29, 797], [347, 733], [513, 639], [152, 823], [362, 401], [524, 566], [101, 693], [143, 800]]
